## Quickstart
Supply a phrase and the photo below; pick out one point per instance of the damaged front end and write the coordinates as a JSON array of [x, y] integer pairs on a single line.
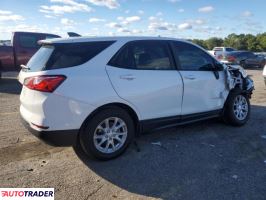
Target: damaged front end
[[238, 78]]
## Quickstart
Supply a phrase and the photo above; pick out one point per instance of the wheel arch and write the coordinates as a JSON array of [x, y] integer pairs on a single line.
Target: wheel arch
[[126, 107]]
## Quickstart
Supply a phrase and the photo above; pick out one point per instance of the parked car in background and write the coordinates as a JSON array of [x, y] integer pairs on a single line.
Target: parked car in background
[[219, 52], [263, 54], [5, 42], [105, 91], [24, 45], [244, 58]]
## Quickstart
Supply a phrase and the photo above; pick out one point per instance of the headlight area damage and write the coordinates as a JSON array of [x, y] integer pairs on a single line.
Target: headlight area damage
[[238, 78]]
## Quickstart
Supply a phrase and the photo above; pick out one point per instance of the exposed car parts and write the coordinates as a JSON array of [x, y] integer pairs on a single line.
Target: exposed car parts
[[238, 78]]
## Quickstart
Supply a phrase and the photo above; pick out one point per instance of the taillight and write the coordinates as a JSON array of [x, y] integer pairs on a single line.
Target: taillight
[[231, 58], [220, 57], [44, 83]]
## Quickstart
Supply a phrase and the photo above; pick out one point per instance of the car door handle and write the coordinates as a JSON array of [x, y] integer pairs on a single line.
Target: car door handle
[[190, 77], [128, 77]]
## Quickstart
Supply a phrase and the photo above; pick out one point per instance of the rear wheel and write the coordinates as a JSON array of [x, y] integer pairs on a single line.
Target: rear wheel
[[107, 134], [237, 108], [262, 64]]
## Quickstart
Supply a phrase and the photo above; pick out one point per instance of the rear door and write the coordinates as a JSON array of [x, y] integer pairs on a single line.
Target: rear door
[[143, 73], [202, 90], [252, 59]]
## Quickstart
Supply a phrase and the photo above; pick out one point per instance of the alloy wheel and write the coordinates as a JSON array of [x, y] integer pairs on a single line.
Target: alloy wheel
[[110, 135], [240, 107]]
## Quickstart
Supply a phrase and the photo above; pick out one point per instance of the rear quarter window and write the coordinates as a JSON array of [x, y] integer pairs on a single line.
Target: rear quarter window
[[57, 56], [73, 54]]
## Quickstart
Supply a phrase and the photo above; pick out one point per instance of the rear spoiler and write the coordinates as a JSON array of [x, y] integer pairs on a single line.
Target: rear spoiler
[[70, 34]]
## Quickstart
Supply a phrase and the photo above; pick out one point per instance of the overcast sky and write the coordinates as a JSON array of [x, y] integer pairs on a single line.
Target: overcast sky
[[175, 18]]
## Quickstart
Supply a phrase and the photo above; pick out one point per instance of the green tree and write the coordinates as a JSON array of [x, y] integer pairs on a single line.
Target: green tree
[[252, 44], [261, 41], [201, 43], [240, 42], [236, 41], [214, 42]]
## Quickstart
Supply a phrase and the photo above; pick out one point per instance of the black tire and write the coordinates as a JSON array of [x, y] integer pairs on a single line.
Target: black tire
[[86, 136], [229, 114], [262, 65], [243, 64]]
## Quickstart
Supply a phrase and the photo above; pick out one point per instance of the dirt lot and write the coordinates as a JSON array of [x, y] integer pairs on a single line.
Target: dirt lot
[[206, 160]]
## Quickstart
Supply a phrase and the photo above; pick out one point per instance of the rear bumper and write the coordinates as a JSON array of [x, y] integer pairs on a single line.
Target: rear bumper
[[60, 138]]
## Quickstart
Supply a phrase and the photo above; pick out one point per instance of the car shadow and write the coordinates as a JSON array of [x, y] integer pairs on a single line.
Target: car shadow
[[197, 161], [10, 86]]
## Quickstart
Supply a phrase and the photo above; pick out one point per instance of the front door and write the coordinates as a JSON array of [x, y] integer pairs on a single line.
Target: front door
[[203, 91]]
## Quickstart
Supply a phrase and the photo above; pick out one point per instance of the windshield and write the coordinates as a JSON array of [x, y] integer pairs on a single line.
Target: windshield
[[40, 58]]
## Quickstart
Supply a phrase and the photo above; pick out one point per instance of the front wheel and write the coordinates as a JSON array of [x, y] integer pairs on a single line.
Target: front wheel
[[243, 64], [237, 109], [107, 134]]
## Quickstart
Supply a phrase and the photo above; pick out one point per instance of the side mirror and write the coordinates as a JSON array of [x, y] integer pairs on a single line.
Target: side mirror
[[218, 66], [216, 74]]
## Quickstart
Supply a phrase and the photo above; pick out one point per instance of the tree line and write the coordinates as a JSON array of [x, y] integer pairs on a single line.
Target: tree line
[[249, 42]]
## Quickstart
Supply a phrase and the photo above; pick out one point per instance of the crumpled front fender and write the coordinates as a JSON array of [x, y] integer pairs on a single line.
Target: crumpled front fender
[[237, 77]]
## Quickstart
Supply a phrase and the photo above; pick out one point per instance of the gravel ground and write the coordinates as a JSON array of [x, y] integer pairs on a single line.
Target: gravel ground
[[206, 160]]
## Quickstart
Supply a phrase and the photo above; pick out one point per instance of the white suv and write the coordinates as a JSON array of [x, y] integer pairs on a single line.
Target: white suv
[[100, 93]]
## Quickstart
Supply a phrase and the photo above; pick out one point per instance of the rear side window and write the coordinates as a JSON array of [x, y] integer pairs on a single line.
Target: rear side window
[[237, 55], [73, 54], [192, 58], [27, 41], [144, 55], [247, 55], [251, 55]]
